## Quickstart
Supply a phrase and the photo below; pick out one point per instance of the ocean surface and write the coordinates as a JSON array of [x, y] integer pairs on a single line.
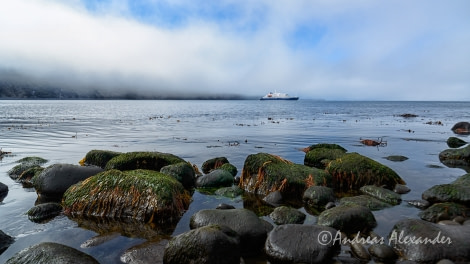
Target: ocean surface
[[64, 131]]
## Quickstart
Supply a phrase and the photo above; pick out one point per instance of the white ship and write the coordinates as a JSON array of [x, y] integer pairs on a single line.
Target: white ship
[[278, 96]]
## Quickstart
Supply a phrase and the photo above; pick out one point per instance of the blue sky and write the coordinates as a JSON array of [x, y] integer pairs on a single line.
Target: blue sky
[[324, 49]]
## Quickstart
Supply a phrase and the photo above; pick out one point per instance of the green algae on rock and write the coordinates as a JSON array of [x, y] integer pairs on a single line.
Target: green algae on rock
[[320, 155], [382, 194], [142, 160], [352, 171], [455, 157], [213, 164], [137, 195], [183, 172], [98, 157], [264, 173]]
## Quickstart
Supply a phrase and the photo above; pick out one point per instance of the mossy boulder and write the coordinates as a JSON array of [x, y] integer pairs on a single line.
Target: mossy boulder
[[320, 155], [365, 200], [183, 172], [32, 160], [382, 194], [444, 211], [51, 253], [213, 164], [463, 180], [205, 245], [283, 215], [230, 168], [318, 196], [454, 142], [349, 218], [142, 160], [137, 195], [215, 179], [265, 173], [45, 211], [456, 157], [408, 237], [26, 178], [448, 193], [98, 157], [250, 228], [352, 171], [300, 244]]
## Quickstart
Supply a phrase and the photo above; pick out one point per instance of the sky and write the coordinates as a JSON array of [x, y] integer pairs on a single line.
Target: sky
[[318, 49]]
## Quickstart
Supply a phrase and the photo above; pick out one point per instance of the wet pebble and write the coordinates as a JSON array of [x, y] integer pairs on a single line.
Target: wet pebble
[[224, 206]]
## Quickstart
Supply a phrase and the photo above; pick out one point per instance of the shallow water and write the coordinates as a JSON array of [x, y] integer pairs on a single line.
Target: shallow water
[[64, 131]]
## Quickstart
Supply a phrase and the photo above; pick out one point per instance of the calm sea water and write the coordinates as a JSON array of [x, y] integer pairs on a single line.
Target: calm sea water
[[64, 131]]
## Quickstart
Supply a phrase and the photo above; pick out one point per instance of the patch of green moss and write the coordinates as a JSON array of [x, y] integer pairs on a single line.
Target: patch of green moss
[[142, 160], [230, 168], [327, 146], [320, 157], [98, 157], [213, 164], [33, 160]]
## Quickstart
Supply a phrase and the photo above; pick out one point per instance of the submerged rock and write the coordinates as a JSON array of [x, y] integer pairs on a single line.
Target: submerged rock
[[183, 172], [147, 252], [396, 158], [287, 215], [249, 227], [382, 194], [426, 242], [454, 142], [300, 244], [365, 200], [318, 196], [421, 204], [265, 173], [98, 157], [349, 218], [205, 245], [230, 192], [142, 160], [213, 164], [352, 171], [51, 253], [137, 195], [45, 211], [320, 155]]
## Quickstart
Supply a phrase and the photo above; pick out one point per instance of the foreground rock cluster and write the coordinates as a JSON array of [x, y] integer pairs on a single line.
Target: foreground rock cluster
[[152, 190]]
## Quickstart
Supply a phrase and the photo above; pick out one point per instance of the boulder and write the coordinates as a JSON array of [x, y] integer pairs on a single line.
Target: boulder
[[5, 241], [454, 142], [249, 227], [25, 164], [27, 176], [137, 195], [207, 244], [213, 164], [56, 179], [348, 218], [444, 211], [274, 198], [142, 160], [318, 196], [45, 211], [365, 200], [215, 179], [183, 172], [98, 157], [147, 252], [455, 157], [287, 215], [320, 155], [352, 171], [382, 253], [3, 191], [265, 173], [426, 242], [301, 244], [382, 194], [456, 193], [51, 253], [461, 128], [230, 168]]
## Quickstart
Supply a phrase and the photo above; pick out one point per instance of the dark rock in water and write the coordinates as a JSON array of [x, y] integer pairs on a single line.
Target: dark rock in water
[[148, 252], [3, 191], [250, 228], [365, 200], [223, 206], [382, 194], [300, 244], [382, 253], [5, 241], [51, 253], [139, 195], [421, 204], [216, 178], [265, 173], [396, 158], [98, 158], [213, 164], [320, 155], [359, 251], [45, 211], [142, 160], [455, 157], [352, 171], [318, 196], [99, 239], [401, 189], [287, 215], [230, 192], [275, 198], [230, 168], [444, 211], [426, 242], [407, 115], [461, 128], [208, 244], [457, 193], [25, 164], [454, 142], [348, 218], [57, 178], [183, 172]]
